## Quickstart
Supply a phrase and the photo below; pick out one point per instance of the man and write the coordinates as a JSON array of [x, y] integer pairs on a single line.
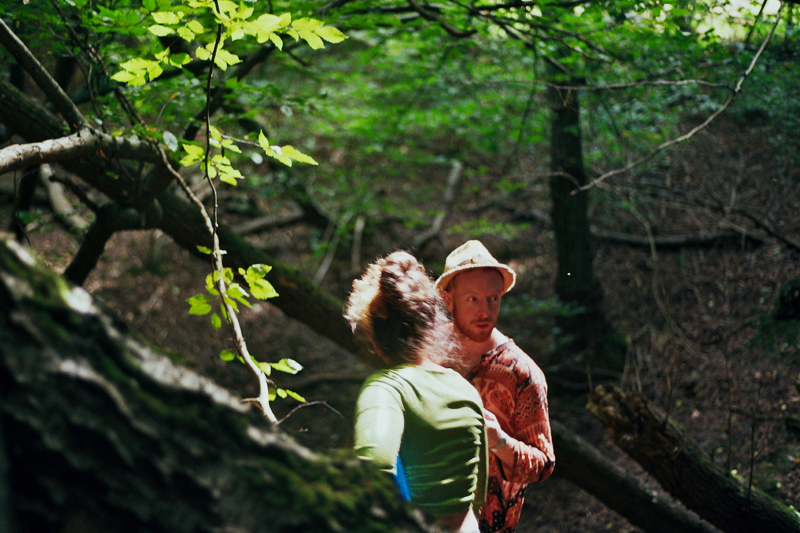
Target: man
[[511, 385]]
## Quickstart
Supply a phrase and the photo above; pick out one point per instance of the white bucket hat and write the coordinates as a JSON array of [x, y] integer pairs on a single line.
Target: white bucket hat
[[473, 254]]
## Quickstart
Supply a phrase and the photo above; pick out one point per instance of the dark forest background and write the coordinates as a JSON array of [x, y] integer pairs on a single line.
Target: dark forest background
[[635, 162]]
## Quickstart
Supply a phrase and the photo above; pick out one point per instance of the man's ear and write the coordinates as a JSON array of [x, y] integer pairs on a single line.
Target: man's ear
[[448, 301]]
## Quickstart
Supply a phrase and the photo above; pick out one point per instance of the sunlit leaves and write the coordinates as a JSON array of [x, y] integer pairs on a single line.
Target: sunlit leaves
[[222, 58], [290, 366], [193, 155], [283, 393], [138, 71], [266, 27], [259, 287], [199, 304], [234, 18], [313, 32], [221, 167], [284, 154]]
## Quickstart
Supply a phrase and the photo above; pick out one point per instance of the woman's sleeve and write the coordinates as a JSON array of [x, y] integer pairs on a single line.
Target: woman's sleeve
[[379, 425]]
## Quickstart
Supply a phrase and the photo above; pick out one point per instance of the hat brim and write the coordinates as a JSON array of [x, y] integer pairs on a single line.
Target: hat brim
[[509, 276]]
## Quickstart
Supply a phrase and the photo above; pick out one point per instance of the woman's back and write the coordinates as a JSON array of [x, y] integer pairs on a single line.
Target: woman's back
[[432, 418]]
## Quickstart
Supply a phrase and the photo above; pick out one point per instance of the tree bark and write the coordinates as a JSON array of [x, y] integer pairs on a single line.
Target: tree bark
[[684, 470], [576, 284], [102, 433], [585, 466]]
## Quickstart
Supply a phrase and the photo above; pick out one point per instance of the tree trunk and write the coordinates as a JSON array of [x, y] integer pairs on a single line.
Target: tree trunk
[[300, 298], [584, 326], [585, 466], [98, 432], [684, 470]]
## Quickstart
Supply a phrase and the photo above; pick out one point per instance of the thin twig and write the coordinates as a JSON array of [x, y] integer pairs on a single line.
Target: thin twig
[[309, 404], [696, 129]]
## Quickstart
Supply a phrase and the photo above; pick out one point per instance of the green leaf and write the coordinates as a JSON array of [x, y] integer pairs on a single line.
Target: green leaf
[[257, 270], [265, 26], [227, 355], [185, 33], [199, 304], [306, 28], [178, 60], [195, 27], [290, 366], [236, 292], [331, 34], [167, 17], [265, 367], [138, 70], [281, 393], [194, 154], [262, 289], [272, 151], [216, 321], [295, 396], [160, 31], [290, 151]]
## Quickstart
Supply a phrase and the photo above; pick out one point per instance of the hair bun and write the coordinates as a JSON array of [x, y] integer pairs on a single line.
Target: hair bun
[[400, 310]]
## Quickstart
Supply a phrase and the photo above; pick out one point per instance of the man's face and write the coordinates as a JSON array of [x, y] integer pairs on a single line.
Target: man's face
[[473, 299]]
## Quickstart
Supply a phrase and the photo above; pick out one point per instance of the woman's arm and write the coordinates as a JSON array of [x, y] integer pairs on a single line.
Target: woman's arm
[[379, 425]]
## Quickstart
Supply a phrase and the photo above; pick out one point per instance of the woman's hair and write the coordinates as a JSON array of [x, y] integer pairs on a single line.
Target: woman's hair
[[397, 306]]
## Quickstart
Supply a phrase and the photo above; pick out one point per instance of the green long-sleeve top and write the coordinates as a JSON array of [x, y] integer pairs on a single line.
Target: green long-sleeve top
[[434, 419]]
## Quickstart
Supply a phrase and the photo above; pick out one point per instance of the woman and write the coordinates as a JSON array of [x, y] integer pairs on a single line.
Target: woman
[[425, 414]]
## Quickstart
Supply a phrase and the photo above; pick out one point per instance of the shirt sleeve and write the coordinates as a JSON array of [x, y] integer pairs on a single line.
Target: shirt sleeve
[[531, 438], [379, 425]]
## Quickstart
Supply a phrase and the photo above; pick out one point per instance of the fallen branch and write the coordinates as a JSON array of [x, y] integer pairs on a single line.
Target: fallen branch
[[260, 224], [585, 466], [448, 198], [59, 203], [684, 470]]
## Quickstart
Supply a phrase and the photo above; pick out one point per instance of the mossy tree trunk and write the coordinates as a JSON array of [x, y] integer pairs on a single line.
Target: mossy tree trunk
[[585, 466], [663, 449], [100, 432]]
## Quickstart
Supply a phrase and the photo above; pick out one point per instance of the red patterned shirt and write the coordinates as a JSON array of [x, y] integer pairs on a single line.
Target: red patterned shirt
[[514, 389]]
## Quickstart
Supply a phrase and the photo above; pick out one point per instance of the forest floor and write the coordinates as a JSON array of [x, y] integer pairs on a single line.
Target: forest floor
[[695, 319]]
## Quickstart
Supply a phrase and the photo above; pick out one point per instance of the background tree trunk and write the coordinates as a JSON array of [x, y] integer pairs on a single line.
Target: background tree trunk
[[102, 433], [587, 333]]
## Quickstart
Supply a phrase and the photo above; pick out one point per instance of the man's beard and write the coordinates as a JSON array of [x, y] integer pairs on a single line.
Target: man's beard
[[465, 328]]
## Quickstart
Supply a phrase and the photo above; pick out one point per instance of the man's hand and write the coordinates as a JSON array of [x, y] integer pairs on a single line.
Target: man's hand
[[494, 434]]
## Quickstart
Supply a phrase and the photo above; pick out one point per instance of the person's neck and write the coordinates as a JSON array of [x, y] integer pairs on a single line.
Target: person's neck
[[472, 351]]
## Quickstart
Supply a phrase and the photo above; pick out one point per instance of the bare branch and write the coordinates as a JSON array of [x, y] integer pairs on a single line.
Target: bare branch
[[696, 129], [654, 83], [447, 202], [83, 143], [45, 82]]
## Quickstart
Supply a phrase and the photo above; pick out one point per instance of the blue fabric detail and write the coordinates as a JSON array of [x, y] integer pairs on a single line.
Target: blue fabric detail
[[401, 480]]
